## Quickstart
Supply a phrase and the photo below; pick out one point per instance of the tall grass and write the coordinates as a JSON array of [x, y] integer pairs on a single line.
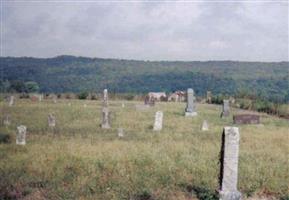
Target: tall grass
[[79, 160]]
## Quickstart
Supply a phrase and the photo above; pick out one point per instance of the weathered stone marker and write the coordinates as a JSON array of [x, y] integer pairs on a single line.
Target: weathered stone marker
[[209, 97], [21, 135], [150, 101], [122, 105], [226, 109], [105, 111], [11, 101], [7, 120], [205, 126], [191, 108], [85, 105], [158, 125], [246, 119], [120, 132], [51, 121], [54, 99], [105, 97], [229, 164]]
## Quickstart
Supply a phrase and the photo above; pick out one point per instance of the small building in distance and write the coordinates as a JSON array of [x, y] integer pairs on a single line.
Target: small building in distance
[[177, 96]]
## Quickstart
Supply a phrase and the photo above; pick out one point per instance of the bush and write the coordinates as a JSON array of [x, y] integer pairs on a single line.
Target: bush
[[82, 95], [5, 138]]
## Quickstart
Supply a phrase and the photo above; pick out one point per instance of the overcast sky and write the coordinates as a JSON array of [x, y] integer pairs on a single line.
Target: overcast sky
[[251, 31]]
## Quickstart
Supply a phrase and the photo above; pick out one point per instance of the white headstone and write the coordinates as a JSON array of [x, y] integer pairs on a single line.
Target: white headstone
[[105, 118], [21, 135], [11, 101], [122, 105], [54, 99], [158, 125], [205, 126], [120, 132], [229, 164], [84, 105], [51, 121], [6, 120]]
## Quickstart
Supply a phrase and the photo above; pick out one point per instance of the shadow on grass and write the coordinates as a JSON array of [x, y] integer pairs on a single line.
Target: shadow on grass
[[201, 193]]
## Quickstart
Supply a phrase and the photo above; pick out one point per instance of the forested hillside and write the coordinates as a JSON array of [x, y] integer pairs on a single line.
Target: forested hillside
[[76, 74]]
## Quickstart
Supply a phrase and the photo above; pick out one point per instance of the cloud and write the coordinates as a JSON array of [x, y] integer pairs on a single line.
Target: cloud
[[147, 30]]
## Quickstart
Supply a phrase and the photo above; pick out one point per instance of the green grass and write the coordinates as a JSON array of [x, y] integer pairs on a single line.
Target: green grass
[[79, 160]]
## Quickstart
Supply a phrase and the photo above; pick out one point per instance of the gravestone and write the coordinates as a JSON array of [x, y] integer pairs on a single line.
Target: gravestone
[[120, 132], [225, 108], [54, 98], [122, 105], [150, 101], [11, 101], [105, 97], [105, 111], [51, 121], [205, 126], [158, 125], [209, 97], [246, 119], [7, 120], [229, 164], [84, 105], [21, 135], [105, 118], [191, 108]]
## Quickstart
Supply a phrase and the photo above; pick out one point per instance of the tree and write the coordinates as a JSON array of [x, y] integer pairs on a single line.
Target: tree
[[31, 86]]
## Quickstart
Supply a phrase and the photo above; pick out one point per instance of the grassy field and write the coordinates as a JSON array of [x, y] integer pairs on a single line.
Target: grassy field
[[79, 160]]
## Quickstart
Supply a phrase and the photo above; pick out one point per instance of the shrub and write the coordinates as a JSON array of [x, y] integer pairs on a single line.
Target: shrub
[[5, 138], [82, 95]]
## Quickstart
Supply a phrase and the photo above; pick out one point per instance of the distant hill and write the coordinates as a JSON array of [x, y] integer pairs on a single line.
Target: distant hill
[[76, 74]]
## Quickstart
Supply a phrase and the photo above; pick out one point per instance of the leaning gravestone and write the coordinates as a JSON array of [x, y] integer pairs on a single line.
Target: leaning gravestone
[[11, 101], [229, 164], [191, 108], [120, 132], [158, 125], [21, 135], [225, 108], [205, 126], [246, 119], [7, 120], [105, 111], [51, 121]]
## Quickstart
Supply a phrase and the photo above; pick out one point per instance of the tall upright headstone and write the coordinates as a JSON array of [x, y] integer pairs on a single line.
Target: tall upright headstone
[[21, 135], [191, 108], [105, 111], [51, 120], [225, 108], [11, 101], [105, 97], [229, 164], [158, 125], [209, 97]]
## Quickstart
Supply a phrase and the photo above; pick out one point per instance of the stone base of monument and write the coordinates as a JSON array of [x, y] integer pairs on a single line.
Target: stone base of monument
[[191, 114], [229, 195]]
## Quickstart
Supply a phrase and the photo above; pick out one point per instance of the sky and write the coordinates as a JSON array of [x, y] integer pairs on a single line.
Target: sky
[[142, 30]]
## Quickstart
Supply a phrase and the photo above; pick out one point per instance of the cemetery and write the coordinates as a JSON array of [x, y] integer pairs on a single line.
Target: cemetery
[[140, 150]]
